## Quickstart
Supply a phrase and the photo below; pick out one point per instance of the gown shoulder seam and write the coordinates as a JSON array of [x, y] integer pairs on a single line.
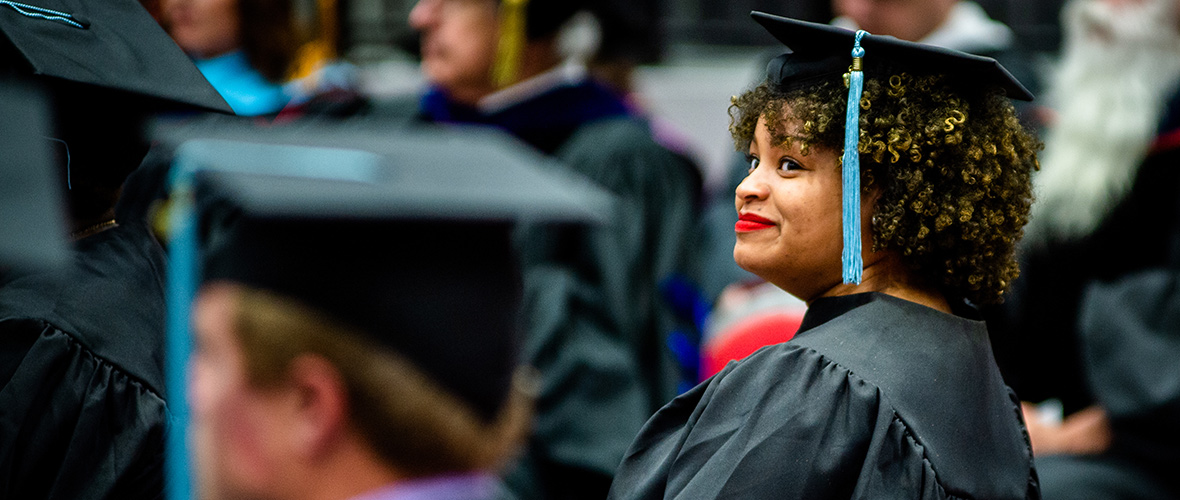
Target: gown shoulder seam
[[882, 399], [136, 381]]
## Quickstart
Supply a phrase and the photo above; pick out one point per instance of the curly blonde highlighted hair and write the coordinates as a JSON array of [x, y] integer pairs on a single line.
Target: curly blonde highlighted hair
[[953, 170]]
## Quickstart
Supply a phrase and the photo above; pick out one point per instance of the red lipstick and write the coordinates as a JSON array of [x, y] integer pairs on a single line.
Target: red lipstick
[[749, 222]]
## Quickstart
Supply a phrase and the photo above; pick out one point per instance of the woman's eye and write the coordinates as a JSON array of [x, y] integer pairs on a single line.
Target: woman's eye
[[753, 164], [788, 165]]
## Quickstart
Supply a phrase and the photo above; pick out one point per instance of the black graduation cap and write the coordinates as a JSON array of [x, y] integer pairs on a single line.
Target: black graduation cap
[[405, 237], [819, 52], [545, 17], [113, 44], [32, 231]]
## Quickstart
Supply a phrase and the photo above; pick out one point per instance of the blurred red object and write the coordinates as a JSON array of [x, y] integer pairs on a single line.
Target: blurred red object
[[746, 336]]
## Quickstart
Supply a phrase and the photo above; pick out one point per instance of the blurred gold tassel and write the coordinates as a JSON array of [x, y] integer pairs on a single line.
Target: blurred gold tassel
[[321, 49], [512, 39]]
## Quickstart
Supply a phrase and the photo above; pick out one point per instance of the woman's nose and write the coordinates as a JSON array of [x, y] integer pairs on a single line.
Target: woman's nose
[[752, 187]]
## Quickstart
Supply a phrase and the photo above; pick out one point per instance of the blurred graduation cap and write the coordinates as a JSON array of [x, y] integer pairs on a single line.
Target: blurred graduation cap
[[822, 53], [110, 44], [32, 231], [406, 238]]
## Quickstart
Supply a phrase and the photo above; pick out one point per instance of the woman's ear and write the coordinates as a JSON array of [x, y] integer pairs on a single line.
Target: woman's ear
[[868, 209]]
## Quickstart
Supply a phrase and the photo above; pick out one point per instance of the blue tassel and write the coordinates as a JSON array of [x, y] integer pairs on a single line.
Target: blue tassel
[[183, 278], [851, 259]]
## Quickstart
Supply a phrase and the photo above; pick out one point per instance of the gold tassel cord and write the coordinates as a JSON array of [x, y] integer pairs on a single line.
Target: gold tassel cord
[[320, 50], [512, 40]]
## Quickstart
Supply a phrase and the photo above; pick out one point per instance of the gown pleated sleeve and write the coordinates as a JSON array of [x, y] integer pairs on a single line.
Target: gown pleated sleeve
[[876, 397], [82, 412]]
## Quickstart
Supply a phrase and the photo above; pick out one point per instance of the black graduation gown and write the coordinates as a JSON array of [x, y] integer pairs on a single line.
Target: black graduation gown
[[82, 412], [1096, 320], [598, 320], [875, 397]]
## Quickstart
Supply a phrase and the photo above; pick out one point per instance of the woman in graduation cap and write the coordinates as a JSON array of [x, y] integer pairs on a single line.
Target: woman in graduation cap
[[889, 390]]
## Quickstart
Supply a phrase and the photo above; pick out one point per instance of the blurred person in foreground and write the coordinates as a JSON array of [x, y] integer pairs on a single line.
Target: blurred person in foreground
[[1091, 323], [597, 319], [81, 385], [264, 57], [889, 390], [348, 344], [354, 352]]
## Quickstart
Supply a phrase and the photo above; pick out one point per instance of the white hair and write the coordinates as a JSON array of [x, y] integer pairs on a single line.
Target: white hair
[[1120, 65]]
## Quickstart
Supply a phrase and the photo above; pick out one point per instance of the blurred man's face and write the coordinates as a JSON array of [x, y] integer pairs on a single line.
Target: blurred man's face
[[905, 19], [235, 426], [203, 28], [458, 44]]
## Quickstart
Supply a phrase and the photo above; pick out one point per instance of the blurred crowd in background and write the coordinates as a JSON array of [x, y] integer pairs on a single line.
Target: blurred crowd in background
[[637, 313]]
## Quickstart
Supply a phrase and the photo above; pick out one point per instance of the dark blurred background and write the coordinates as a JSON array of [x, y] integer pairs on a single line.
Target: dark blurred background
[[374, 26], [692, 54]]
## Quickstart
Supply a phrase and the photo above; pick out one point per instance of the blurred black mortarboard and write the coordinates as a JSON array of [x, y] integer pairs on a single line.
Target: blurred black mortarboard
[[32, 231], [112, 44], [407, 238], [820, 53]]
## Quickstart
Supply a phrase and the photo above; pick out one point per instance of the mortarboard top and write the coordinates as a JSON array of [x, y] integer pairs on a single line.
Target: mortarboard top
[[32, 231], [462, 172], [112, 44], [819, 53], [407, 238]]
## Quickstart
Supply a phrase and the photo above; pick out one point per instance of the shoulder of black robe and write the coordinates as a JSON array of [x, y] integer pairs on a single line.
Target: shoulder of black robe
[[81, 373], [1130, 336], [876, 397], [597, 320]]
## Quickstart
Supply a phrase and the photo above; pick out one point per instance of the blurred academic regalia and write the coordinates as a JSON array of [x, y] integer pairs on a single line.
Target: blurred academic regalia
[[600, 321], [82, 397]]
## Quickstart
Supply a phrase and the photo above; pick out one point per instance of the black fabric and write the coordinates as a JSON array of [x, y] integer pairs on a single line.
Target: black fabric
[[820, 51], [1094, 320], [1130, 339], [1067, 477], [422, 288], [876, 397], [1036, 330], [82, 408], [545, 17], [119, 46], [32, 232], [545, 122], [597, 322], [633, 31]]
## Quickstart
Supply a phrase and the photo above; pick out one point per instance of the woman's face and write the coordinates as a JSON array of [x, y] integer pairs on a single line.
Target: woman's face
[[789, 216], [203, 28]]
